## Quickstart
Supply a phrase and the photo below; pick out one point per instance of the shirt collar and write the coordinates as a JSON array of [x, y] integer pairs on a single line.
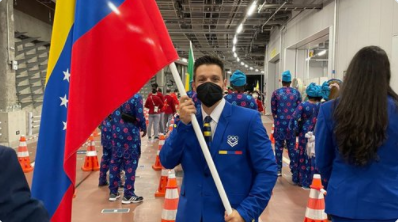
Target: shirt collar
[[215, 115]]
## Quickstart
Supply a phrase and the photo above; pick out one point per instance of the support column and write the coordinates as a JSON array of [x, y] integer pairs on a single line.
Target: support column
[[12, 118], [8, 98]]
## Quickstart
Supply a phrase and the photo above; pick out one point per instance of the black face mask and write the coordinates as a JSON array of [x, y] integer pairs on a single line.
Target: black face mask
[[209, 93]]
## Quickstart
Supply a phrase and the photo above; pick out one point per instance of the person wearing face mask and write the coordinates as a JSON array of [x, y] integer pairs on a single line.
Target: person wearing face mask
[[238, 144], [238, 97], [258, 102]]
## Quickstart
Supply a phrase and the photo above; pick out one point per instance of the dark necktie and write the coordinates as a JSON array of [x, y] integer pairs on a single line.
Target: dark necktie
[[207, 130]]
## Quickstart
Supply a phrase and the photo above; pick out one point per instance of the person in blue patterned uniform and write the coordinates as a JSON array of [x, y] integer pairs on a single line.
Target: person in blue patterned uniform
[[192, 94], [238, 97], [302, 122], [127, 122], [106, 142], [284, 102]]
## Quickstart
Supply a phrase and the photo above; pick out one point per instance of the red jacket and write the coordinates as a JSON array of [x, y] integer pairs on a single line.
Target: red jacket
[[169, 105], [176, 102], [153, 101], [159, 94], [260, 105]]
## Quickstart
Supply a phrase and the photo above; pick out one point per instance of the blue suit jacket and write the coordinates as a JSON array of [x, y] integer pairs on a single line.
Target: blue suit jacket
[[369, 192], [248, 171], [16, 204]]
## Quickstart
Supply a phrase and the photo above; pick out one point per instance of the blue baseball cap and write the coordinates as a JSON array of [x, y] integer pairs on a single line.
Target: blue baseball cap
[[238, 78], [286, 76], [314, 90]]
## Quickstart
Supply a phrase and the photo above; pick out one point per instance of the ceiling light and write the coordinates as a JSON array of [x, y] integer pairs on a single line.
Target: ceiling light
[[262, 71], [240, 27], [251, 68], [256, 70], [246, 66], [229, 72], [235, 39], [233, 49], [235, 55], [242, 63], [252, 8], [323, 52], [238, 59]]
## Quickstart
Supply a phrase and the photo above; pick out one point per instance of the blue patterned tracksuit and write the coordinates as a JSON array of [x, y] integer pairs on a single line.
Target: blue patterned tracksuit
[[106, 134], [241, 99], [192, 94], [126, 143], [283, 103], [303, 121]]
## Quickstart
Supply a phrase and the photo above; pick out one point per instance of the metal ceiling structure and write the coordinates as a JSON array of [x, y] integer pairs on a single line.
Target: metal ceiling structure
[[211, 26]]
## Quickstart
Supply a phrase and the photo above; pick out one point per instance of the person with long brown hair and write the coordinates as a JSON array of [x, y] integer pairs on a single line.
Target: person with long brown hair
[[357, 143]]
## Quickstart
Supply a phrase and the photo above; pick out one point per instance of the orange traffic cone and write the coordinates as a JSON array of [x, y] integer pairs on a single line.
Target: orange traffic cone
[[272, 135], [91, 160], [95, 133], [315, 211], [162, 184], [23, 155], [158, 166], [169, 212], [171, 125]]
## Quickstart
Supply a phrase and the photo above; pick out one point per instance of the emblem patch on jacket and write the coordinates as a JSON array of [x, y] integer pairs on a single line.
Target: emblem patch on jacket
[[232, 140]]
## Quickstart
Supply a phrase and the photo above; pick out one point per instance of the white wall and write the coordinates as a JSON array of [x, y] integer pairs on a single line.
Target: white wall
[[359, 23], [308, 23], [363, 23], [317, 69], [394, 65], [32, 26], [304, 25]]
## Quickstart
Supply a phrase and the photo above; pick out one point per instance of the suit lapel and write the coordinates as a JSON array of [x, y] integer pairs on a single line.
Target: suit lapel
[[220, 130]]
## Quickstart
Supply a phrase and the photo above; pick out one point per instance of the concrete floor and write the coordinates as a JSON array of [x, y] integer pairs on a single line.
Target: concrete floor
[[288, 202]]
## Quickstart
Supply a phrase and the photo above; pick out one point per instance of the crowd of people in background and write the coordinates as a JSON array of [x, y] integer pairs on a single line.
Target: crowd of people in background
[[347, 132]]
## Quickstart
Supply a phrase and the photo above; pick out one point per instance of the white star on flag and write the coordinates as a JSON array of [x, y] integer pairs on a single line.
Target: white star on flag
[[66, 75], [64, 101], [64, 125]]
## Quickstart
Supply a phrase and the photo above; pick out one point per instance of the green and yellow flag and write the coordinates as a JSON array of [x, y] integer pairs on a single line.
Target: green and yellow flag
[[189, 73]]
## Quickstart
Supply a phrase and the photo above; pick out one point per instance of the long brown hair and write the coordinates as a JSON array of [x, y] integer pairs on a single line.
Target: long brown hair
[[361, 110]]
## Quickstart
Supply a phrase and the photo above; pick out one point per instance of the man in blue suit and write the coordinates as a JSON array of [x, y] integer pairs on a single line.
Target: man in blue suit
[[16, 204], [239, 146]]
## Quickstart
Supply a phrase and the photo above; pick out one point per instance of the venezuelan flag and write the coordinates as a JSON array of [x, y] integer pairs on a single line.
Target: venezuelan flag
[[102, 52]]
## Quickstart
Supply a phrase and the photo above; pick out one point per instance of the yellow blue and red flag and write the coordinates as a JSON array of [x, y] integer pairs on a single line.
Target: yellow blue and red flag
[[102, 52]]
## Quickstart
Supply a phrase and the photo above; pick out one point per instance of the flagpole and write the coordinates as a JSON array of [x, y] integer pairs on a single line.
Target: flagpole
[[203, 144]]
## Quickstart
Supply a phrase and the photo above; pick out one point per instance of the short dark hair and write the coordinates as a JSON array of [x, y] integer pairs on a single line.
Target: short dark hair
[[168, 90], [154, 85], [175, 90], [286, 83], [314, 98], [208, 60], [240, 89], [159, 90]]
